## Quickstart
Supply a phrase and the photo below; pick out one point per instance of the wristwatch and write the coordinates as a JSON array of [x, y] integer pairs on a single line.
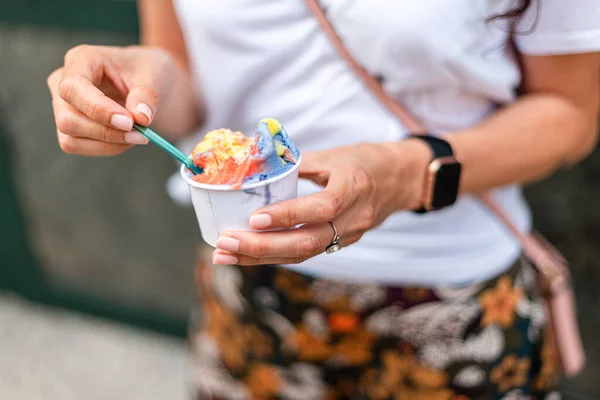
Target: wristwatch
[[442, 177]]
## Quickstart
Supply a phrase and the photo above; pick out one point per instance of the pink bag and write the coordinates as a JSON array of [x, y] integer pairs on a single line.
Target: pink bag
[[554, 277]]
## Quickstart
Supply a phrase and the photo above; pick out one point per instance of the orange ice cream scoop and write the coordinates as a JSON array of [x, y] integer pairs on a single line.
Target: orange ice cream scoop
[[220, 154]]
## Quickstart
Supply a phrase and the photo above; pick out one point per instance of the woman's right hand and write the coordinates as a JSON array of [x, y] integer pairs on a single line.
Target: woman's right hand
[[101, 91]]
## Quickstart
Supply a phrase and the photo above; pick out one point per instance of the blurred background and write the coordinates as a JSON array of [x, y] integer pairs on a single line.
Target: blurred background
[[96, 262]]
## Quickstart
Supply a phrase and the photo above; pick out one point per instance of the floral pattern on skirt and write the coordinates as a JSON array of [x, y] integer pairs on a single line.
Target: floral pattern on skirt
[[266, 333]]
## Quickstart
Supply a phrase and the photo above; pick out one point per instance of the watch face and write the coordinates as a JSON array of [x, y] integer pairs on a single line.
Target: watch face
[[446, 185]]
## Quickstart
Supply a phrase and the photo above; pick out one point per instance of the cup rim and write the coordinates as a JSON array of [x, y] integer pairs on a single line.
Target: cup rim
[[228, 188]]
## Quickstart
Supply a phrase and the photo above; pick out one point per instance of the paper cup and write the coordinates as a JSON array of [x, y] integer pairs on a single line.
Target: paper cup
[[220, 208]]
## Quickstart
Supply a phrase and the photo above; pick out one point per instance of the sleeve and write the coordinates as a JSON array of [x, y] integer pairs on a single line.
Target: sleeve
[[551, 27]]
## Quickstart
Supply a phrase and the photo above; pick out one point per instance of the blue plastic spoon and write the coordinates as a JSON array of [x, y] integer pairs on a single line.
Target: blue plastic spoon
[[168, 148]]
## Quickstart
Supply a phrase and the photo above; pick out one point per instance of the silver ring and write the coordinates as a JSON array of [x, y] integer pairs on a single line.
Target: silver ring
[[335, 242]]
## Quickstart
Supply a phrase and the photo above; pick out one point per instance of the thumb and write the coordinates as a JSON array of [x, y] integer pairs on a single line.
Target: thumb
[[142, 103], [314, 168]]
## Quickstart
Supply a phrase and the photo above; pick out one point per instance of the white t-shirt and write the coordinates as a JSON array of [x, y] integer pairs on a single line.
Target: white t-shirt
[[268, 58]]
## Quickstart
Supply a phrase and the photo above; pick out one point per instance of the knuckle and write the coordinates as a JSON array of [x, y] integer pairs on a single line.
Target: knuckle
[[371, 214], [289, 216], [70, 54], [67, 144], [260, 249], [76, 51], [106, 134], [307, 247], [66, 87], [368, 218], [52, 79], [94, 111], [331, 206], [362, 181], [65, 123]]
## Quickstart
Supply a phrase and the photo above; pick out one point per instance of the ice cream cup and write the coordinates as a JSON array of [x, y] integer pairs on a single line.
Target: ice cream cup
[[220, 208]]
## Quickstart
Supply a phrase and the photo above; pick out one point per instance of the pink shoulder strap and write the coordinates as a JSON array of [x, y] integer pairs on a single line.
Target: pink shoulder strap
[[393, 105]]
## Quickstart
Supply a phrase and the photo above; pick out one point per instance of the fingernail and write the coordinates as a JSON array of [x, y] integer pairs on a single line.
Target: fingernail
[[260, 221], [228, 244], [122, 122], [134, 137], [145, 109], [224, 259]]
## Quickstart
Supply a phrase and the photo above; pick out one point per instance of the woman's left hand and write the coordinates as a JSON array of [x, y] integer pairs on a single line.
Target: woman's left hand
[[363, 183]]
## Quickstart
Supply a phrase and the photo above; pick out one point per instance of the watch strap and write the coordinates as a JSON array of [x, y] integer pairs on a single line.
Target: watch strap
[[439, 147]]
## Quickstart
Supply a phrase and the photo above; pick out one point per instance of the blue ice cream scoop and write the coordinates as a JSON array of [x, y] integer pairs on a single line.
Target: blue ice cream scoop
[[281, 136], [265, 145], [276, 150]]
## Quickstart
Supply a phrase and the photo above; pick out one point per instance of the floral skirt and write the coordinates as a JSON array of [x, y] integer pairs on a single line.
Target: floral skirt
[[267, 333]]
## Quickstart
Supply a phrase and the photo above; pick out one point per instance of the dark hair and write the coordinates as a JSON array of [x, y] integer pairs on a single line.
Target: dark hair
[[516, 13]]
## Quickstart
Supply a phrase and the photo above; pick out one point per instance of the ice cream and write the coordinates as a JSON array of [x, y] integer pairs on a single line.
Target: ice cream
[[230, 158], [240, 175]]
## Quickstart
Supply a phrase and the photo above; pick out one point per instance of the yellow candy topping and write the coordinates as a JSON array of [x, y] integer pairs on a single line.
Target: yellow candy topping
[[273, 124], [279, 147], [224, 143]]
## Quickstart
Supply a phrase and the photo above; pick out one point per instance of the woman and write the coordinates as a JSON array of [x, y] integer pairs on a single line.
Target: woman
[[434, 305]]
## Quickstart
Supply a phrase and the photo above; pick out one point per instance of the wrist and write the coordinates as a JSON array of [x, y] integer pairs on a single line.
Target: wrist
[[410, 171]]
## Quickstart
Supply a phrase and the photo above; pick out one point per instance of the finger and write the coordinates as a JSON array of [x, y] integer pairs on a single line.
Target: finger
[[142, 102], [53, 80], [314, 161], [72, 122], [314, 168], [220, 257], [89, 147], [223, 257], [77, 87], [321, 178], [143, 98], [299, 244], [317, 208]]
